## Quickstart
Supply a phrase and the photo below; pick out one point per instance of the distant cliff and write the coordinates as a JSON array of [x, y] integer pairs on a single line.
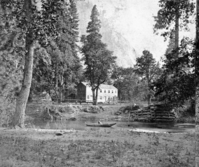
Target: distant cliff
[[116, 41]]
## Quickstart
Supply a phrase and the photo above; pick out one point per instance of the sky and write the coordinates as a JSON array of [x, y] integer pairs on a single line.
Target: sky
[[134, 20]]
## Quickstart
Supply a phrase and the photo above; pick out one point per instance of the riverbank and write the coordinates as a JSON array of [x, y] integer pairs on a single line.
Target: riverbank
[[109, 113], [96, 147]]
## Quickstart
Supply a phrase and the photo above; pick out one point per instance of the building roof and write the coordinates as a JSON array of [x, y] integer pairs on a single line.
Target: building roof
[[102, 86]]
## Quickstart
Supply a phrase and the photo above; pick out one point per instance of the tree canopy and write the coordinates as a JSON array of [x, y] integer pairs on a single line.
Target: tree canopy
[[170, 13], [148, 69], [35, 27]]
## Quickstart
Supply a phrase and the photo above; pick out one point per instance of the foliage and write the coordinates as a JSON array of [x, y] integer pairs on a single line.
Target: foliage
[[97, 58], [147, 68], [59, 77], [176, 83], [169, 10], [128, 84], [11, 66], [36, 27]]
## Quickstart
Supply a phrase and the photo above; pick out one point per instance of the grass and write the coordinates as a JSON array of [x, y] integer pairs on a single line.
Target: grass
[[99, 148], [13, 162]]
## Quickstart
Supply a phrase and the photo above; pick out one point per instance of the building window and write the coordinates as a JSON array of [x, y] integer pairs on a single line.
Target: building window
[[100, 91], [104, 91], [100, 97], [112, 91], [88, 97], [108, 91]]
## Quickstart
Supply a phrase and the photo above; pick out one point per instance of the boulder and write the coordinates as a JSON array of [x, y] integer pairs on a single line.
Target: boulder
[[93, 109], [127, 109], [58, 112]]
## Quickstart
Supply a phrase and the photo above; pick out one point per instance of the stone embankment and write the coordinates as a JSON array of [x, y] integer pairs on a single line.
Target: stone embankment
[[41, 106]]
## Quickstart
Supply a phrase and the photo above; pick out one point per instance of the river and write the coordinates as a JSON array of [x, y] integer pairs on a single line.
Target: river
[[80, 124]]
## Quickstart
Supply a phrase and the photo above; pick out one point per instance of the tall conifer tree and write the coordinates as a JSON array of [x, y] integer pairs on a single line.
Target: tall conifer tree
[[65, 68], [98, 59]]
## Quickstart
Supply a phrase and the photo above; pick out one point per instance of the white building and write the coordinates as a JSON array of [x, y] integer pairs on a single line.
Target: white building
[[106, 93]]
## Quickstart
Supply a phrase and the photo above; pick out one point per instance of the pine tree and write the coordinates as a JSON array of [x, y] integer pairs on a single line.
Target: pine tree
[[97, 58], [65, 66]]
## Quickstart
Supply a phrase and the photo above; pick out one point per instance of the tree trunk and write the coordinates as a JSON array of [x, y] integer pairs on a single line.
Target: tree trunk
[[148, 96], [197, 65], [19, 115], [56, 83], [177, 28], [61, 89], [148, 87], [94, 97], [197, 83], [61, 94]]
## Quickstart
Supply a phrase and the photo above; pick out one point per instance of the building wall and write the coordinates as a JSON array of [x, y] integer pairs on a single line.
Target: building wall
[[89, 94], [107, 95], [104, 95], [84, 93]]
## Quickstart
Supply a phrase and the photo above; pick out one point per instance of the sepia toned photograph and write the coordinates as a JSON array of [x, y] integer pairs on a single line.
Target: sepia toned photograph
[[99, 83]]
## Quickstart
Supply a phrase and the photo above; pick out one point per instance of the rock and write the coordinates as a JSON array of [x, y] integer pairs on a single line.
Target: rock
[[93, 109], [58, 112], [72, 119], [69, 109], [67, 112], [101, 108], [46, 115], [118, 113], [127, 109]]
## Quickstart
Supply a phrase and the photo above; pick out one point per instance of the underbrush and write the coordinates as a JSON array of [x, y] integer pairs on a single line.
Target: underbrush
[[186, 120], [186, 112]]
